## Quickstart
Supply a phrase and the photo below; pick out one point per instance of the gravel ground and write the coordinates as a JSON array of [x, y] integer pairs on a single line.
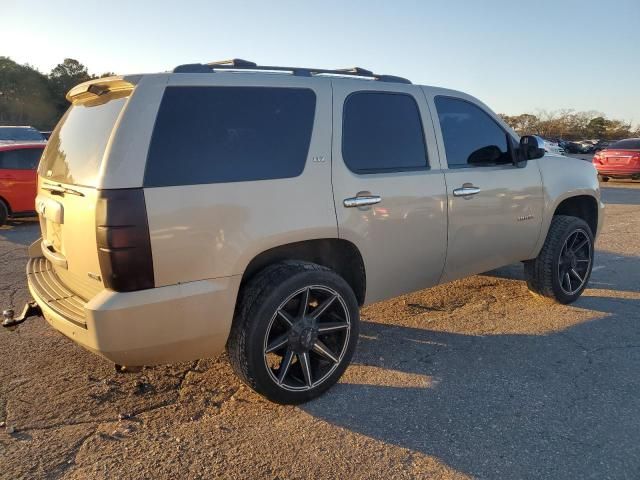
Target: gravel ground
[[475, 379]]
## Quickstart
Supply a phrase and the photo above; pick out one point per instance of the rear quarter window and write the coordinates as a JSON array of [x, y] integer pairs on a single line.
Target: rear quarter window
[[229, 134]]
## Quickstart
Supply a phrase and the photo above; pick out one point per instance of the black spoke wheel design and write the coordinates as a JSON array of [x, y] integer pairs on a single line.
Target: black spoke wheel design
[[562, 268], [294, 332], [574, 263], [307, 337]]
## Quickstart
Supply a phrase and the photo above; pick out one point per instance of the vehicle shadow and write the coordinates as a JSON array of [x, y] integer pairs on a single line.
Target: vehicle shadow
[[621, 195], [611, 271], [558, 405], [502, 406]]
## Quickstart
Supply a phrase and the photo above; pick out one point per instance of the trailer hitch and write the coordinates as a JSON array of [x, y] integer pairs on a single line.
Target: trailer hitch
[[30, 309]]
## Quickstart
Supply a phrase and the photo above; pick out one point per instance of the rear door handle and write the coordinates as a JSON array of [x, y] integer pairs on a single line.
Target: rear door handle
[[362, 201], [466, 190]]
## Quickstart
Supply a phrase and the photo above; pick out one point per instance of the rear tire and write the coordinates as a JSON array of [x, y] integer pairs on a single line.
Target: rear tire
[[294, 331], [602, 178], [563, 267], [4, 213]]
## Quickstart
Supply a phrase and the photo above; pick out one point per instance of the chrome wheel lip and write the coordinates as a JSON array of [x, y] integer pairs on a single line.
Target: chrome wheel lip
[[560, 276], [340, 356]]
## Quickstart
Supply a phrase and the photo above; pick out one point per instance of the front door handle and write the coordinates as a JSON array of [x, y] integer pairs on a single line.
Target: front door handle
[[362, 201], [466, 190]]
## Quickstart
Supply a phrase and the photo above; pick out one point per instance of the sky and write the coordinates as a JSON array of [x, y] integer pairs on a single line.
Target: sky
[[516, 56]]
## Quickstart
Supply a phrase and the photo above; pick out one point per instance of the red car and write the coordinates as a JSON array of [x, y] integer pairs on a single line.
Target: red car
[[619, 160], [18, 163]]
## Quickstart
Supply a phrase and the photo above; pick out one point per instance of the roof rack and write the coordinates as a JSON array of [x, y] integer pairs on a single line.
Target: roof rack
[[239, 64]]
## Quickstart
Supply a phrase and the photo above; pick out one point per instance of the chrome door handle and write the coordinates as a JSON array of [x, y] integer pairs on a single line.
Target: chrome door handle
[[362, 201], [466, 191]]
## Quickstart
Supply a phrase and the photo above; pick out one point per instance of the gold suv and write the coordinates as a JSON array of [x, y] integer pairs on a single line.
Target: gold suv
[[257, 207]]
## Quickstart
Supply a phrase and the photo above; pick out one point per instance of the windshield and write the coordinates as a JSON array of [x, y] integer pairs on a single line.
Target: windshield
[[630, 144], [76, 147], [20, 134]]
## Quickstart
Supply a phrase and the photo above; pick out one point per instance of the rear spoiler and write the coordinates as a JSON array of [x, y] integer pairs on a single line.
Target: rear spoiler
[[95, 88]]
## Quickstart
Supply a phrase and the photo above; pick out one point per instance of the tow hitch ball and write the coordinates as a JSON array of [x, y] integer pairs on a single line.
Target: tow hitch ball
[[30, 309]]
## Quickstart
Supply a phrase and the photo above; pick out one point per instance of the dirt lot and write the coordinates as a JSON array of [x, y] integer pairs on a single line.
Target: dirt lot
[[472, 379]]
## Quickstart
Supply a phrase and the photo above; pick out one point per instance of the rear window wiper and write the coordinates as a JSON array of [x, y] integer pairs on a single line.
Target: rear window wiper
[[61, 190]]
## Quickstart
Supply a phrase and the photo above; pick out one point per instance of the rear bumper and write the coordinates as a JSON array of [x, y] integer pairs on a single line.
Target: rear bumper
[[633, 172], [160, 325]]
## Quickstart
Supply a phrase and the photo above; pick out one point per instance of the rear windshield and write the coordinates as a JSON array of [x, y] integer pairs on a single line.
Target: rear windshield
[[76, 147], [630, 144], [18, 134], [21, 159]]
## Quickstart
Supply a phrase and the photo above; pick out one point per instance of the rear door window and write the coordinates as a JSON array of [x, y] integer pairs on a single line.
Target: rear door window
[[382, 132], [471, 137], [229, 134], [22, 159]]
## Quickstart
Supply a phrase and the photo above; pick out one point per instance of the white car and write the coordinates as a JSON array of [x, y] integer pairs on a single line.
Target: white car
[[552, 147]]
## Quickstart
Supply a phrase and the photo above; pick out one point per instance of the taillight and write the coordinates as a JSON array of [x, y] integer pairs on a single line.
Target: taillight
[[124, 245]]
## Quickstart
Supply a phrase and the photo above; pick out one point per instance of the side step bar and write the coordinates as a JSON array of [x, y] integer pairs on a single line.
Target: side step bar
[[30, 309]]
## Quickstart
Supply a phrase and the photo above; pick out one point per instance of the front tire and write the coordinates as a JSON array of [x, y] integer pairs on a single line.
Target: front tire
[[603, 179], [563, 268], [295, 331]]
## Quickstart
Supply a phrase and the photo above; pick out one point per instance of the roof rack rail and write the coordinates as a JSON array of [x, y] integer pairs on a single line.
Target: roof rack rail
[[239, 64]]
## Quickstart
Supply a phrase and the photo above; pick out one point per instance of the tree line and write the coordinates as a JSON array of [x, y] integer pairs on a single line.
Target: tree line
[[29, 97], [571, 125]]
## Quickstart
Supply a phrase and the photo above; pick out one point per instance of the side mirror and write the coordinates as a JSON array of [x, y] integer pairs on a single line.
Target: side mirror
[[531, 147]]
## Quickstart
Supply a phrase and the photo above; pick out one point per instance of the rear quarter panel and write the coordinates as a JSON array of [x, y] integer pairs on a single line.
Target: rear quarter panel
[[565, 177]]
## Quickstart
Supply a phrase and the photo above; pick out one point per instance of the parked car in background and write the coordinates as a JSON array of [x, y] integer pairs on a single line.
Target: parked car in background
[[20, 134], [579, 147], [18, 181], [46, 134], [553, 147], [602, 144], [573, 147], [298, 198], [621, 159]]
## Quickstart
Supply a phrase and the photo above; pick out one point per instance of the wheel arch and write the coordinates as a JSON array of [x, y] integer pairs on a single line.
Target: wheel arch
[[6, 204], [584, 207], [340, 255]]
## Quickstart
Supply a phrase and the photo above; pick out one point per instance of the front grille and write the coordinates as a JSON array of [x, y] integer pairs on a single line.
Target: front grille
[[54, 293]]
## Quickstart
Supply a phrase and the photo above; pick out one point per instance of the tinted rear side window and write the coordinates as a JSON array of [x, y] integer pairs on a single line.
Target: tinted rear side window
[[382, 132], [23, 159], [229, 134], [630, 144], [471, 137]]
